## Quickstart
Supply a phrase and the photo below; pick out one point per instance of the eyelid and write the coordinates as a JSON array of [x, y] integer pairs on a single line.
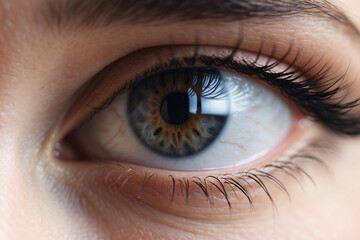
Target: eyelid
[[319, 103]]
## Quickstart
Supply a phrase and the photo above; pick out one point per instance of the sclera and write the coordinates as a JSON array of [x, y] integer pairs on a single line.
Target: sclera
[[259, 121]]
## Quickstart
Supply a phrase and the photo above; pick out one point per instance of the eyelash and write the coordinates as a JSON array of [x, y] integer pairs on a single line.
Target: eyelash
[[311, 95], [239, 182]]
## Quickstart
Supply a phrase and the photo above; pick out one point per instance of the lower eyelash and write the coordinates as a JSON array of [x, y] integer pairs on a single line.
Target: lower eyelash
[[229, 185]]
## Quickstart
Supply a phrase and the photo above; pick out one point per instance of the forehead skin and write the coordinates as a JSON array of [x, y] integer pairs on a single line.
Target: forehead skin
[[23, 214]]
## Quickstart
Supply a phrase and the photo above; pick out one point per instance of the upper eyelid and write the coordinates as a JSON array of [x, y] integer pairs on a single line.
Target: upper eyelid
[[338, 111]]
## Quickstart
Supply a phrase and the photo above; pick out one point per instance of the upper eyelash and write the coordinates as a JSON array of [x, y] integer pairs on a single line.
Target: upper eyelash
[[307, 94], [312, 95]]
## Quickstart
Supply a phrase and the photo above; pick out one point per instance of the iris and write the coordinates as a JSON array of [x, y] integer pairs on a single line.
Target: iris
[[179, 112]]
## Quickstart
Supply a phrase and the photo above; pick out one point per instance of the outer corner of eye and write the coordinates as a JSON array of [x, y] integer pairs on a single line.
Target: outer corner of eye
[[187, 119]]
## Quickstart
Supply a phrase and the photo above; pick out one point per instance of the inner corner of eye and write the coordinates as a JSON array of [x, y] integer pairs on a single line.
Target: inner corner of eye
[[185, 119]]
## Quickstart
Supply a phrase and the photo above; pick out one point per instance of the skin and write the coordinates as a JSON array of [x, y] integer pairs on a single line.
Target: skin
[[41, 70]]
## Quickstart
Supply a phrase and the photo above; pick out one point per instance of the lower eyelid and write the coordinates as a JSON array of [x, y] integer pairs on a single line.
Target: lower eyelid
[[156, 188], [110, 183]]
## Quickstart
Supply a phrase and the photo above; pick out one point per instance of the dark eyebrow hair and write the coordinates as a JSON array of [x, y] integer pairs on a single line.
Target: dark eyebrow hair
[[104, 12]]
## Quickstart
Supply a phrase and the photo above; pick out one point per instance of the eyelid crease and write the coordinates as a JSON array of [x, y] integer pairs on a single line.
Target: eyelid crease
[[316, 96]]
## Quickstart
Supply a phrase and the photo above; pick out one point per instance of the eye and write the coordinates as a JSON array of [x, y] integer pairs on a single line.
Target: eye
[[203, 125], [192, 119]]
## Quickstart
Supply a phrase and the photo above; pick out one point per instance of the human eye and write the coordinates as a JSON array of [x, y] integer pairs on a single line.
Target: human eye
[[188, 118], [180, 119], [195, 125]]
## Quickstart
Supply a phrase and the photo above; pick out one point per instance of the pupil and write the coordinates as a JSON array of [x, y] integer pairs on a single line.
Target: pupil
[[175, 108]]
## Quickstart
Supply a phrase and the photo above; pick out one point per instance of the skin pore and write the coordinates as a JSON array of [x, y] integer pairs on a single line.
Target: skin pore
[[49, 57]]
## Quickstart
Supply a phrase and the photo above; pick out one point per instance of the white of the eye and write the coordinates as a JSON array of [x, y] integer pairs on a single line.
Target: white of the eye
[[259, 121]]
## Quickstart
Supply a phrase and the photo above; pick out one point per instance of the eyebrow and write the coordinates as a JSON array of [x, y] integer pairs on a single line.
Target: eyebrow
[[106, 12]]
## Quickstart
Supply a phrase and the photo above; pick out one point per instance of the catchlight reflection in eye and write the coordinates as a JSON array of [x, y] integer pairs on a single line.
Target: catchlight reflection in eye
[[189, 119]]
